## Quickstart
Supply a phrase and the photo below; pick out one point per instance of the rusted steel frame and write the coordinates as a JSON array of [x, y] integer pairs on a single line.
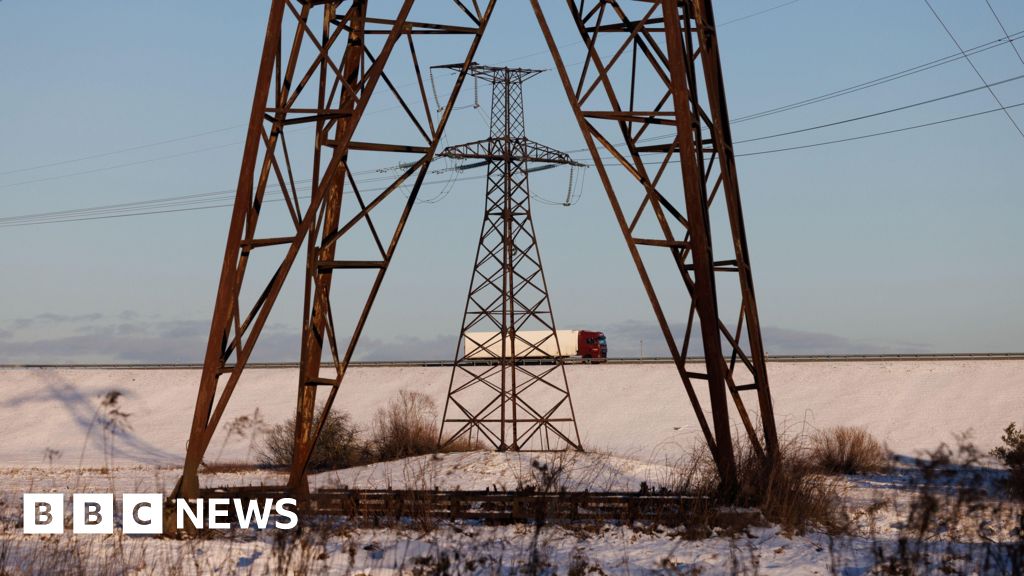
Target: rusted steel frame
[[728, 374], [636, 168], [700, 236], [615, 57], [588, 135], [637, 171], [199, 441], [383, 195], [269, 159], [402, 102], [256, 201], [419, 82], [723, 134], [318, 65], [293, 210], [646, 47], [291, 179], [323, 58], [640, 173], [489, 282], [188, 485], [301, 459], [362, 206], [410, 27], [313, 326], [535, 378], [474, 17], [589, 41]]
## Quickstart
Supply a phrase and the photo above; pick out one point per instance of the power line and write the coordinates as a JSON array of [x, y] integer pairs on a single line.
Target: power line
[[857, 87], [200, 201], [1003, 28], [235, 126], [885, 132], [758, 13], [121, 150], [975, 68], [115, 166], [1009, 39], [777, 110], [880, 113], [848, 120], [64, 216], [854, 138]]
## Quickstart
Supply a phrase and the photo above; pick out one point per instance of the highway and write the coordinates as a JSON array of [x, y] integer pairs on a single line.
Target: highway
[[448, 363]]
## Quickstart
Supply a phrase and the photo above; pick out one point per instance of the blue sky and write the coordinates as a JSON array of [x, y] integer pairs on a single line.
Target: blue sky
[[903, 243]]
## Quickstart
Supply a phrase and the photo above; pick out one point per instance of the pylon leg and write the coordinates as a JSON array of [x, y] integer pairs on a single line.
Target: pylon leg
[[680, 117], [322, 63]]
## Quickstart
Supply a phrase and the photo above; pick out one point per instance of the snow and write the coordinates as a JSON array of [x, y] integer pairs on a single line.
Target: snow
[[634, 420], [632, 410], [879, 503], [484, 470]]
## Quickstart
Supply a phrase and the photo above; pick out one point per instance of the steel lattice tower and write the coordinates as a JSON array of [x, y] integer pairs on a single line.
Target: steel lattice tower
[[494, 394], [649, 98]]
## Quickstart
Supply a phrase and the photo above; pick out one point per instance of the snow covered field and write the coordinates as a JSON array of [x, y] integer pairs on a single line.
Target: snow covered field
[[879, 508], [637, 411], [635, 418]]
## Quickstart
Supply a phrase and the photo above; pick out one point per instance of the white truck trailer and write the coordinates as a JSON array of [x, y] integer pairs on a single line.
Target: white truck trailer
[[536, 344]]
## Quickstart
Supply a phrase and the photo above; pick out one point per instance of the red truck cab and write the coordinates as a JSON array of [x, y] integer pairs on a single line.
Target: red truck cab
[[593, 346]]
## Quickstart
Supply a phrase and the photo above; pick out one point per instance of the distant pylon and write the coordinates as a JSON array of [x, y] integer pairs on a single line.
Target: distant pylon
[[507, 389]]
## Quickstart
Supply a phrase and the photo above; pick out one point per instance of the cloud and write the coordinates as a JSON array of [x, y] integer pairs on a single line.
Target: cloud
[[408, 348], [625, 338], [51, 318], [129, 337], [125, 337]]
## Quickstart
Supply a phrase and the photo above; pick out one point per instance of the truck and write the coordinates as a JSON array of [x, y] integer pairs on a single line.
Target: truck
[[587, 344]]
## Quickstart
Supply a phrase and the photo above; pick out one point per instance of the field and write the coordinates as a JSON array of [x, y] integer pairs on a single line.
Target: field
[[637, 428]]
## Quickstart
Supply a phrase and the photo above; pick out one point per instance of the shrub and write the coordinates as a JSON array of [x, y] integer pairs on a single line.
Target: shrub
[[791, 493], [407, 426], [1011, 453], [339, 445], [848, 450]]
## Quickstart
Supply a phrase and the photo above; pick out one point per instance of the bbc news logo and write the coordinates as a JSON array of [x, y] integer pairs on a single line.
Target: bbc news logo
[[144, 513]]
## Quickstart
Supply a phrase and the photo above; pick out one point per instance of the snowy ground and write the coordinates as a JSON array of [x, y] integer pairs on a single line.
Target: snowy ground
[[878, 506], [635, 419], [636, 411]]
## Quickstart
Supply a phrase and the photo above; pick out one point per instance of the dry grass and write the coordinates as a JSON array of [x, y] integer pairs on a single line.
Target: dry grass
[[230, 467], [407, 427], [1011, 454], [791, 493], [848, 450]]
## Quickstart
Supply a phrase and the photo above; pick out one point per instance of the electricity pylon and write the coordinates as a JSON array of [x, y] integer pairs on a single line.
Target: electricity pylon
[[648, 97], [508, 390]]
